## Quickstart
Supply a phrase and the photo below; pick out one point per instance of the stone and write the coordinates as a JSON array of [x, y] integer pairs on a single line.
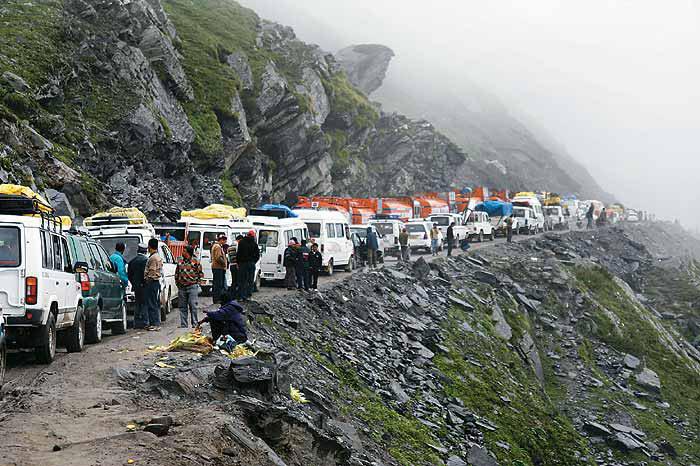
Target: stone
[[398, 392], [16, 82], [649, 379], [365, 65], [421, 269], [455, 460], [60, 202], [501, 326], [631, 362], [596, 429], [479, 456], [239, 62], [486, 277], [626, 442]]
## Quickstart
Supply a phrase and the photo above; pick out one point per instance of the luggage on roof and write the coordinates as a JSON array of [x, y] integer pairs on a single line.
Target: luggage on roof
[[117, 215], [274, 210], [215, 211], [22, 200]]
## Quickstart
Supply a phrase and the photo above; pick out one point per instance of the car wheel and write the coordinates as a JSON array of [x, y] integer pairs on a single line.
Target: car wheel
[[492, 236], [165, 309], [93, 333], [3, 362], [119, 328], [75, 336], [329, 269], [258, 281], [46, 353], [481, 236], [348, 268]]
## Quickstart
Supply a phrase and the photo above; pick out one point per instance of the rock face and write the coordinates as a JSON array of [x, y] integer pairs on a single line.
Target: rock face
[[366, 65]]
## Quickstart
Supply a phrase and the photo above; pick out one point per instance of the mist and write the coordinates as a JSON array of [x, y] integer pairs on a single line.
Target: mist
[[614, 82]]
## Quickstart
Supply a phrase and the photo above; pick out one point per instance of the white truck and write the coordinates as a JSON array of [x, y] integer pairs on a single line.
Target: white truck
[[479, 226], [330, 229], [40, 295], [132, 231]]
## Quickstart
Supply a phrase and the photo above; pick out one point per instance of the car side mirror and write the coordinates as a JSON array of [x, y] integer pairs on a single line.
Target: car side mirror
[[81, 267]]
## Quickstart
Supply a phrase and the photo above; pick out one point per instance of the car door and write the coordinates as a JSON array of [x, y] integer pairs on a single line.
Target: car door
[[57, 283], [100, 273], [111, 283], [169, 266]]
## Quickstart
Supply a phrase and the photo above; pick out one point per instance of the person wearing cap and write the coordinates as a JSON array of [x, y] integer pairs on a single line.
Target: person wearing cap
[[135, 271], [151, 278], [188, 277], [233, 265], [247, 256], [219, 265], [290, 264]]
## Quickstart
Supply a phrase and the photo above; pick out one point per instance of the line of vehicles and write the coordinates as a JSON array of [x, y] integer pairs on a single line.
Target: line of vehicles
[[58, 285]]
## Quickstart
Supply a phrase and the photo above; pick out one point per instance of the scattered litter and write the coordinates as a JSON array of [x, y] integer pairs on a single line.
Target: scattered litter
[[296, 395], [130, 461], [131, 427], [164, 365], [191, 341]]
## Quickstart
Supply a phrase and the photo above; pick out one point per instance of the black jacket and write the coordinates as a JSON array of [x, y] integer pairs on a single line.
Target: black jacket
[[315, 260], [248, 251], [450, 233], [135, 271], [227, 320], [303, 258]]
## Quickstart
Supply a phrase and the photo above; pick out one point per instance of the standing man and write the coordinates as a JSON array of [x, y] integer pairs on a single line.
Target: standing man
[[405, 247], [219, 265], [450, 238], [247, 256], [509, 229], [151, 276], [117, 260], [188, 276], [315, 264], [290, 263], [589, 217], [137, 269], [434, 238], [302, 266], [372, 248], [233, 265]]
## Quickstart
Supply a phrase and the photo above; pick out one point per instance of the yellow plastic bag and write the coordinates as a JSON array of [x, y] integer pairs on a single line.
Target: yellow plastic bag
[[132, 214], [296, 395], [215, 211], [240, 351], [17, 190], [191, 341]]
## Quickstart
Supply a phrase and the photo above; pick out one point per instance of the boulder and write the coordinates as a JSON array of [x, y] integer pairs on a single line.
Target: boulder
[[16, 82], [649, 379], [486, 277], [60, 203], [455, 460], [239, 62], [479, 456], [421, 269], [501, 326], [631, 362], [365, 65]]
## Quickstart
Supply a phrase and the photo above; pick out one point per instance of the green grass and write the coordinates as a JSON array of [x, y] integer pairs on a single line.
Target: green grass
[[231, 194], [345, 98]]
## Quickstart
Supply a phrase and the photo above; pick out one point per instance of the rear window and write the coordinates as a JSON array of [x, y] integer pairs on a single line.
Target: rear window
[[441, 221], [176, 234], [416, 228], [518, 212], [551, 210], [131, 243], [268, 238], [385, 228], [9, 247], [210, 239], [314, 230]]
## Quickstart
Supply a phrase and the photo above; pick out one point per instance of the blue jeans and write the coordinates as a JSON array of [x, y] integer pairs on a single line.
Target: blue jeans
[[152, 301], [219, 285], [434, 246], [188, 302], [246, 279]]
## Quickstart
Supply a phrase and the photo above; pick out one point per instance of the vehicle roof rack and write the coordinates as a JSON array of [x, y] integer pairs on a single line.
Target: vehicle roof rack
[[12, 204], [275, 213], [114, 220]]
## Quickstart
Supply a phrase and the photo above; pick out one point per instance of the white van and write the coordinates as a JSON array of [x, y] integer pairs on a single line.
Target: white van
[[534, 203], [443, 221], [479, 226], [524, 221], [361, 232], [390, 229], [202, 234], [419, 235], [274, 234], [330, 229], [131, 231], [40, 294]]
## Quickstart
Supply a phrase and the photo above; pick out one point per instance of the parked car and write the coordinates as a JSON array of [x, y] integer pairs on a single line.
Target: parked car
[[330, 229], [419, 235], [531, 200], [443, 221], [273, 236], [390, 229], [3, 349], [479, 226], [104, 301], [632, 216], [39, 294], [361, 232], [525, 221], [555, 219]]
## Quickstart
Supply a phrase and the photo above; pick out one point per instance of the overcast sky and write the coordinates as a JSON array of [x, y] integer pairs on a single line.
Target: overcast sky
[[616, 82]]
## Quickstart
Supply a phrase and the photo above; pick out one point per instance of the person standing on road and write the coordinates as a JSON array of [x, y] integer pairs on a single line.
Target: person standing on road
[[302, 267], [188, 277], [315, 265], [589, 217], [404, 246], [247, 256], [372, 248], [151, 276], [434, 238], [137, 270], [450, 238], [233, 265], [509, 229], [290, 260], [219, 265], [227, 320], [117, 260]]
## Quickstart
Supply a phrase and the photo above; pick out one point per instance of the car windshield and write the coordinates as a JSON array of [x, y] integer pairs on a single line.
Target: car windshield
[[131, 242], [360, 232], [415, 228], [9, 247], [551, 211], [518, 212], [384, 228], [314, 230], [268, 238], [441, 221], [177, 234]]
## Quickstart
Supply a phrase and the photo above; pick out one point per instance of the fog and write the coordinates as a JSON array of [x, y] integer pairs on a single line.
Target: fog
[[615, 82]]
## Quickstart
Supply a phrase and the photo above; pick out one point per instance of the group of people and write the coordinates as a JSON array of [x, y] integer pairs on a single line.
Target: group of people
[[239, 258], [302, 265]]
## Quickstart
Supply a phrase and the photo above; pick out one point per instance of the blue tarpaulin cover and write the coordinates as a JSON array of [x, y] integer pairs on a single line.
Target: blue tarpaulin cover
[[289, 212], [495, 208]]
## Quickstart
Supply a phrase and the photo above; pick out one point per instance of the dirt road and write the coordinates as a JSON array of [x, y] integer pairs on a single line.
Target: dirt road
[[77, 407]]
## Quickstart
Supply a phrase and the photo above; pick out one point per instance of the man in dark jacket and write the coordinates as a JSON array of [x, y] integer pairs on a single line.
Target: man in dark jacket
[[247, 256], [302, 267], [589, 217], [227, 320], [135, 272], [450, 238], [372, 248], [315, 265], [290, 261]]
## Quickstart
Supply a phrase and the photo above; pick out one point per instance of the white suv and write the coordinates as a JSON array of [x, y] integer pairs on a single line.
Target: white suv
[[479, 226], [39, 292]]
